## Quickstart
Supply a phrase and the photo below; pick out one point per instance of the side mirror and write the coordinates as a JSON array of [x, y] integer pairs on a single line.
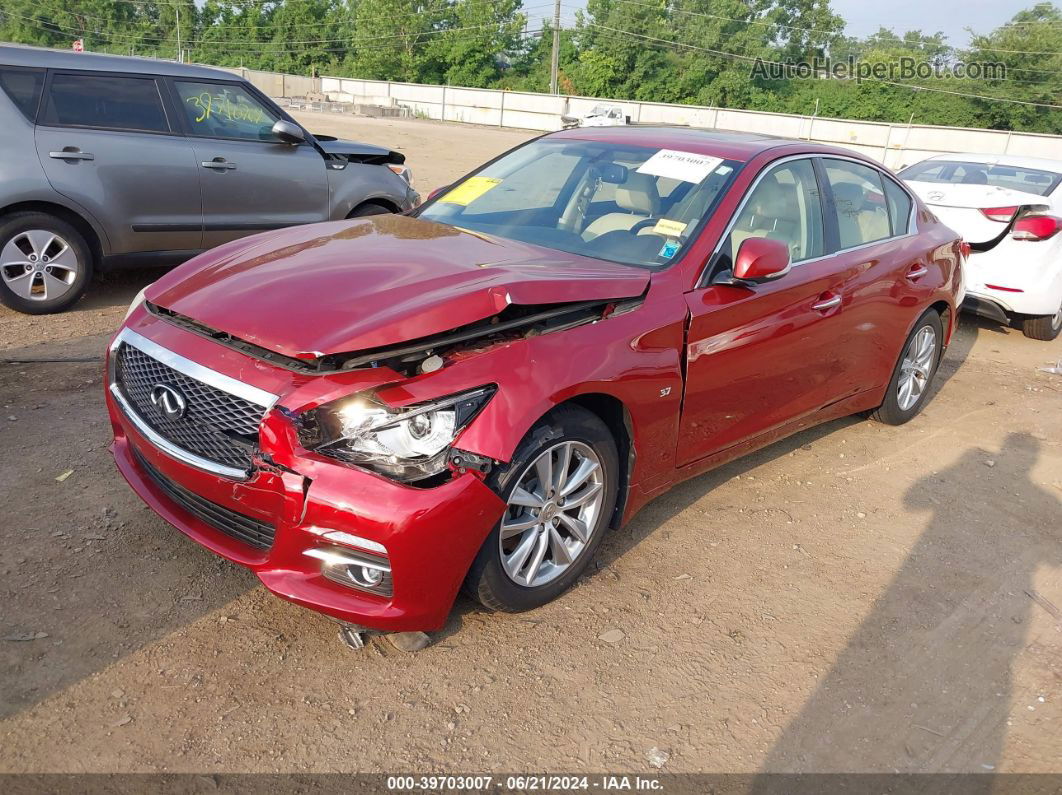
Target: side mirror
[[288, 132], [761, 259]]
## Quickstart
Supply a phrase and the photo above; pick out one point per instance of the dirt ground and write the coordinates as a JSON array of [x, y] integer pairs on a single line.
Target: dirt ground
[[857, 598]]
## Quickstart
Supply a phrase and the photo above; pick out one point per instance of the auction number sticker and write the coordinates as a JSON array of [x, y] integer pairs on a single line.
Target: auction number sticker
[[470, 190], [685, 166]]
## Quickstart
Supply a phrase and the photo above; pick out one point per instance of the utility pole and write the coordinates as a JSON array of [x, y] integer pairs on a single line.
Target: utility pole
[[177, 8], [554, 64]]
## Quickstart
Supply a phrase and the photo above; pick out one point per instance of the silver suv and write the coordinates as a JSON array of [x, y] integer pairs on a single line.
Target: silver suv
[[108, 161]]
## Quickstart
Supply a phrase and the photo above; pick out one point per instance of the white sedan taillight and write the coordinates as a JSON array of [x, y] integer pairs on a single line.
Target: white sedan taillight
[[1002, 214], [1036, 227]]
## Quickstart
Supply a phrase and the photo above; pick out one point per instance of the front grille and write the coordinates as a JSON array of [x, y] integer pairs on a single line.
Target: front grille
[[216, 424], [254, 532]]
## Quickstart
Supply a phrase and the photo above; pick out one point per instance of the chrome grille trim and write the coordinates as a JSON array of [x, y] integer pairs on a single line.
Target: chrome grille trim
[[194, 371]]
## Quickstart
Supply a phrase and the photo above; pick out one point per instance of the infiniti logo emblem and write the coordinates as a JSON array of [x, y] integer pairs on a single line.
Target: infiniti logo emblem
[[935, 195], [168, 401]]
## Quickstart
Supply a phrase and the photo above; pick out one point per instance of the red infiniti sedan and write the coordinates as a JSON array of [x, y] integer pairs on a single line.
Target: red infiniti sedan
[[376, 413]]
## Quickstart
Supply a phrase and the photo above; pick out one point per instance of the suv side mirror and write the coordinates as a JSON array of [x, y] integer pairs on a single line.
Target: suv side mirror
[[761, 259], [288, 133]]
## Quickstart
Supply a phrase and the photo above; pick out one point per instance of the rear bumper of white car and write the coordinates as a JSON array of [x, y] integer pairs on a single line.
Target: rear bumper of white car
[[1015, 278]]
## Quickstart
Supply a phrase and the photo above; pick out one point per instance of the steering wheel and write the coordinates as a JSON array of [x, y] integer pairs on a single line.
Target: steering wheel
[[645, 223]]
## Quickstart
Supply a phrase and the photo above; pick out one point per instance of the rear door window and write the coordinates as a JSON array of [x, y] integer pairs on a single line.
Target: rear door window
[[899, 207], [23, 86], [225, 110], [858, 202], [104, 101]]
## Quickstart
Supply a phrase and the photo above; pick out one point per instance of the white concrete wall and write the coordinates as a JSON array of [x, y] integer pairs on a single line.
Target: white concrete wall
[[895, 145]]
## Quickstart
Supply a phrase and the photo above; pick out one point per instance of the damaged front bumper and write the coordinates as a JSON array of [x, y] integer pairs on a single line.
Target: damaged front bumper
[[345, 542]]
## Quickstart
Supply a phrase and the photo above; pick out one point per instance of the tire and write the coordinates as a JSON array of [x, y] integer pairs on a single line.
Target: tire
[[1043, 327], [66, 272], [369, 208], [578, 431], [895, 409]]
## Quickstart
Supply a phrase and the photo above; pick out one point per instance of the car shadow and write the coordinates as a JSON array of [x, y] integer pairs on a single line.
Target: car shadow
[[924, 682], [665, 507], [117, 288]]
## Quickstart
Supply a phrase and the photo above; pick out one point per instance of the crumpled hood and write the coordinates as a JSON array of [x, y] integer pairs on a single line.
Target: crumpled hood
[[359, 150], [348, 286]]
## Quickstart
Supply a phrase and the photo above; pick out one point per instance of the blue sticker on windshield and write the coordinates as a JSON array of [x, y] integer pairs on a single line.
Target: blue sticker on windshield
[[669, 249]]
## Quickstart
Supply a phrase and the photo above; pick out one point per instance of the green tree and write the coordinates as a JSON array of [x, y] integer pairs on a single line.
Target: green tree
[[1030, 49], [483, 38]]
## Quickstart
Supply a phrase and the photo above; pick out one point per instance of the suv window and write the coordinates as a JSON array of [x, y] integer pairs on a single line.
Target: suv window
[[784, 206], [123, 103], [899, 207], [24, 88], [225, 110], [858, 202]]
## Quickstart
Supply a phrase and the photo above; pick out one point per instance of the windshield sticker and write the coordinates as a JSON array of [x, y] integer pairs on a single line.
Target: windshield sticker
[[669, 228], [686, 166], [669, 249], [470, 190]]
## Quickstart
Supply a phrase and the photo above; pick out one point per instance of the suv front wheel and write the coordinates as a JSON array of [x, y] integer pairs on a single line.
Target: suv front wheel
[[45, 263]]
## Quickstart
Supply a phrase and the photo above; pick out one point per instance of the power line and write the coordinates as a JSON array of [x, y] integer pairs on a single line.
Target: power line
[[248, 42], [836, 34], [808, 30], [779, 63], [250, 46]]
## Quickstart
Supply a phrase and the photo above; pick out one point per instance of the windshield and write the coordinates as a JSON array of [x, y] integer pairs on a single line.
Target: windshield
[[626, 204], [957, 172]]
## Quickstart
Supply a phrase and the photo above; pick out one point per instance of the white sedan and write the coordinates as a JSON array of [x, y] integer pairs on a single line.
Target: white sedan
[[1009, 210]]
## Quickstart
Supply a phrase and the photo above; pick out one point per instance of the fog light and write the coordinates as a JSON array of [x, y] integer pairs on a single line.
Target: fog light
[[354, 569], [365, 576]]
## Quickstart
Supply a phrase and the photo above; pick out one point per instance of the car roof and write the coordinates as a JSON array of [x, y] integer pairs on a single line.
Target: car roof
[[1018, 161], [729, 145], [44, 58]]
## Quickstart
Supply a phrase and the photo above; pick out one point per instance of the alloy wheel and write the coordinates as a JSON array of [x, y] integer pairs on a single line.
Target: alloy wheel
[[38, 265], [551, 513], [917, 367]]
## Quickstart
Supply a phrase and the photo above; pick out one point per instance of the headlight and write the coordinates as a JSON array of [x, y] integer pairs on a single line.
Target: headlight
[[406, 444], [137, 301]]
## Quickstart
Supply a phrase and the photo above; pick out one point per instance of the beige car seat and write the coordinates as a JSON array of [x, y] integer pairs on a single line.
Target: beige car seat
[[771, 212], [638, 196], [858, 221]]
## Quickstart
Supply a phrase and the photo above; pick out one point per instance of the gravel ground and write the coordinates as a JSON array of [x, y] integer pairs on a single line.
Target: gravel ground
[[857, 598]]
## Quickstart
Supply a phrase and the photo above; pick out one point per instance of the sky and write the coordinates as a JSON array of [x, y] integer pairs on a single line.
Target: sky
[[864, 17], [950, 16]]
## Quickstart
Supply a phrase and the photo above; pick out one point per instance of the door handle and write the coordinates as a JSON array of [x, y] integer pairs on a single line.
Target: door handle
[[917, 272], [72, 154], [826, 303], [219, 164]]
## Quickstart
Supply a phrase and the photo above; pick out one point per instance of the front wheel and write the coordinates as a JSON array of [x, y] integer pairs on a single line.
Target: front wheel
[[369, 208], [560, 492], [1044, 327], [913, 373]]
